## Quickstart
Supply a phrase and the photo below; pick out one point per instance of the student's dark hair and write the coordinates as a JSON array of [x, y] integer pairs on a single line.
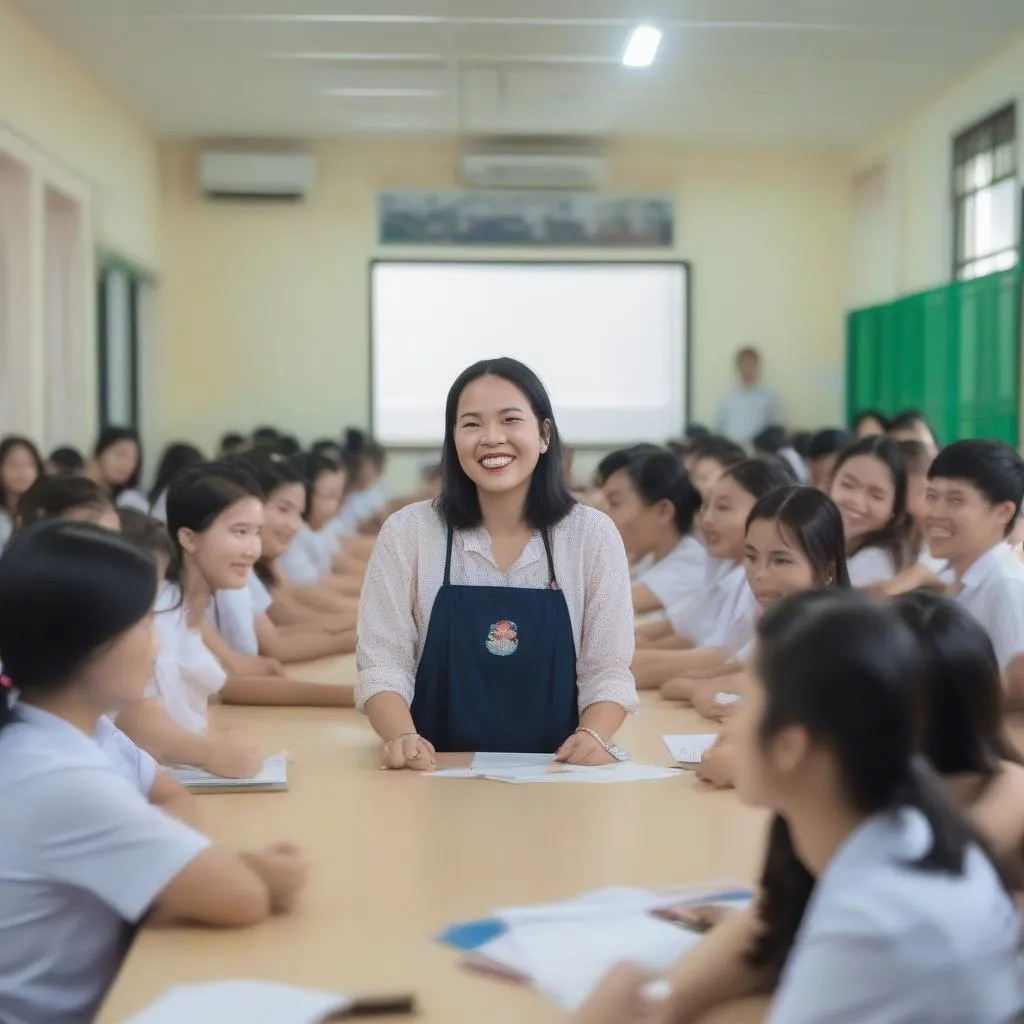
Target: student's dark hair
[[696, 432], [309, 467], [908, 419], [829, 441], [917, 455], [176, 457], [68, 460], [770, 441], [198, 496], [870, 414], [110, 436], [87, 580], [725, 452], [992, 467], [53, 497], [269, 471], [619, 459], [962, 730], [326, 446], [761, 475], [266, 436], [548, 499], [232, 443], [148, 533], [288, 445], [659, 476], [801, 442], [8, 445], [843, 668], [748, 350], [810, 520], [897, 536]]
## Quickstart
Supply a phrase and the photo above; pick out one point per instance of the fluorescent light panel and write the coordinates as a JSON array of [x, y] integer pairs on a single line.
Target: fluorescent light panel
[[642, 47]]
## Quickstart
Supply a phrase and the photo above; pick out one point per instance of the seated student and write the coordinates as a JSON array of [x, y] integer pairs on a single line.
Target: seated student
[[869, 423], [364, 461], [499, 617], [66, 497], [176, 458], [974, 497], [65, 461], [823, 450], [718, 619], [609, 464], [266, 438], [85, 856], [911, 425], [310, 556], [653, 504], [877, 902], [20, 468], [869, 484], [709, 459], [232, 443], [288, 445], [116, 465], [774, 441]]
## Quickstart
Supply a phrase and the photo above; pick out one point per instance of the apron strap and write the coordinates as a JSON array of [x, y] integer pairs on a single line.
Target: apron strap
[[448, 558], [553, 585]]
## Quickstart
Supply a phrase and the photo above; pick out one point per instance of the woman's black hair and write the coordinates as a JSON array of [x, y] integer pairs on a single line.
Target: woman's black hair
[[68, 460], [919, 457], [811, 521], [548, 500], [262, 436], [843, 668], [897, 536], [830, 441], [619, 459], [725, 452], [232, 443], [198, 496], [87, 580], [962, 727], [771, 440], [53, 497], [309, 466], [288, 445], [326, 446], [176, 457], [800, 442], [149, 534], [761, 475], [659, 476], [7, 445], [110, 436], [908, 419], [870, 414]]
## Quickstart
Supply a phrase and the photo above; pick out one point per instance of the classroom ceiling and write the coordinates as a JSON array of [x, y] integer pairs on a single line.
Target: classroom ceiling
[[821, 72]]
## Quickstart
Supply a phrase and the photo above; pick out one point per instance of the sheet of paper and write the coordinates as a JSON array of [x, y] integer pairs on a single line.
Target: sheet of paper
[[622, 771], [689, 748], [489, 761], [242, 1002], [273, 773]]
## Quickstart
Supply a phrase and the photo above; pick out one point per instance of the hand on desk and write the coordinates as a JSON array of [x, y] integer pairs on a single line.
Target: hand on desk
[[232, 756], [621, 999], [582, 748], [717, 767], [411, 751], [284, 871]]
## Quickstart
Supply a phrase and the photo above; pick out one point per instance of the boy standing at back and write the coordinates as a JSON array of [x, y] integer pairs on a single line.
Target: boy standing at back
[[972, 502]]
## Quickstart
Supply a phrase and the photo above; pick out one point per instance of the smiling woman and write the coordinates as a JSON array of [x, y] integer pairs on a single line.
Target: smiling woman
[[499, 617]]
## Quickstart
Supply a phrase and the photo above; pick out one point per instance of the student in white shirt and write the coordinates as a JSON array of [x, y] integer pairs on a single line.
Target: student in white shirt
[[653, 503], [20, 467], [869, 423], [84, 856], [67, 497], [869, 484], [500, 617], [775, 441], [750, 406], [116, 465], [717, 619], [973, 501], [708, 459], [64, 461], [823, 449], [176, 458], [878, 904]]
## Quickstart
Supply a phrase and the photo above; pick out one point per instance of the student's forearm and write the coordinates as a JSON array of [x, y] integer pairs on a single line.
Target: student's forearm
[[651, 667], [1013, 684], [150, 726], [231, 659], [277, 691], [389, 715], [309, 645], [645, 600], [605, 717]]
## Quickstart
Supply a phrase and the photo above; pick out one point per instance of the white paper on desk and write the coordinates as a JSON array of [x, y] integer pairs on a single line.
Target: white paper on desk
[[621, 771], [486, 761], [615, 900], [273, 773], [242, 1002], [690, 748]]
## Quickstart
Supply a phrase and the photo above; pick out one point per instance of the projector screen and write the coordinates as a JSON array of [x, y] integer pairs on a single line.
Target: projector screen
[[608, 340]]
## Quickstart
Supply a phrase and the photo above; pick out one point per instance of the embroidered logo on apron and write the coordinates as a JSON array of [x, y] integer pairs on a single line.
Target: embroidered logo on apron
[[503, 638]]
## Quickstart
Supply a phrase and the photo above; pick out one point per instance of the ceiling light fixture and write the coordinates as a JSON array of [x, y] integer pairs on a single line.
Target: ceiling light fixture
[[642, 47]]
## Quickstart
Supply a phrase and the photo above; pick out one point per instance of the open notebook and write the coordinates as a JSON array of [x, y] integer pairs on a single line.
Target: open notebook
[[273, 776]]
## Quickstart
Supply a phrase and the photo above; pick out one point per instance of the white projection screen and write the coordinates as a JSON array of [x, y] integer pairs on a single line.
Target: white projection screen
[[609, 340]]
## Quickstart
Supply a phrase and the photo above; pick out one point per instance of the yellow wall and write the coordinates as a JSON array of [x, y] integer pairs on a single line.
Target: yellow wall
[[266, 306]]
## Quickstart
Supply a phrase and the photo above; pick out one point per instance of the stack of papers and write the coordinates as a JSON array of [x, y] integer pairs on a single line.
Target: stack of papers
[[690, 748], [272, 776], [565, 949], [537, 768]]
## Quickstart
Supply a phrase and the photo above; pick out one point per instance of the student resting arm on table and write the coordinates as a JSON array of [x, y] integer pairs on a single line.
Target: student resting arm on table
[[499, 618], [85, 856]]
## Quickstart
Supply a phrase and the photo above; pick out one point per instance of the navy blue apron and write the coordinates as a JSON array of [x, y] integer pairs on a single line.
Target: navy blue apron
[[498, 670]]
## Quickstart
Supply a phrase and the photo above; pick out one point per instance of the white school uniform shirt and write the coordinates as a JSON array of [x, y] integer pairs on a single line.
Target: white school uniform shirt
[[721, 613], [234, 614], [939, 567], [159, 507], [884, 943], [131, 761], [311, 554], [187, 673], [83, 857], [870, 565], [992, 590], [406, 571], [797, 464], [132, 498], [683, 569]]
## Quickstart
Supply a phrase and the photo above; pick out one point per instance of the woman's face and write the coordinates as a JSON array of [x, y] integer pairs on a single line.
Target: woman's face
[[704, 473], [643, 527], [724, 519], [282, 518], [328, 490], [19, 471], [776, 567], [229, 547], [916, 431], [118, 463], [498, 439], [870, 427], [864, 490]]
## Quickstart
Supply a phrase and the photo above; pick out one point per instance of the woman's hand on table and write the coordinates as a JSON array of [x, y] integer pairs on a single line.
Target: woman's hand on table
[[625, 997], [410, 751], [284, 870], [716, 766], [704, 699], [582, 748], [232, 756]]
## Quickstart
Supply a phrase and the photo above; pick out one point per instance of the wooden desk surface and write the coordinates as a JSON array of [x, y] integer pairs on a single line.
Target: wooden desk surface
[[397, 856]]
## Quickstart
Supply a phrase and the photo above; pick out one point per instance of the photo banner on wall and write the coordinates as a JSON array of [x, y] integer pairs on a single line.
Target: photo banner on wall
[[539, 219]]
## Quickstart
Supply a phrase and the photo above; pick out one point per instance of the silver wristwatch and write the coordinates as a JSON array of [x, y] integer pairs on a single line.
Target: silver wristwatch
[[615, 751]]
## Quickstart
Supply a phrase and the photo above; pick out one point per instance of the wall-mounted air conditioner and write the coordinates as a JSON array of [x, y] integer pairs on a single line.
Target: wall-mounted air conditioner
[[548, 171], [235, 174]]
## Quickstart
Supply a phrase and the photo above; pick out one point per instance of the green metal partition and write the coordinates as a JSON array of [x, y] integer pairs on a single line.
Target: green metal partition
[[953, 353]]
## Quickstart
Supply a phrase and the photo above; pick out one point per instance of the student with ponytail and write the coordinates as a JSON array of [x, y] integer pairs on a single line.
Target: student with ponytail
[[66, 497], [85, 855], [653, 503]]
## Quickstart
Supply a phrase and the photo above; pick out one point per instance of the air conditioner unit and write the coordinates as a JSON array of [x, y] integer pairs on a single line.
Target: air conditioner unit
[[550, 171], [227, 174]]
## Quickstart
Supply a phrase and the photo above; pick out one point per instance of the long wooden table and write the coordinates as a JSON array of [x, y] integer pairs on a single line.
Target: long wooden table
[[397, 856]]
